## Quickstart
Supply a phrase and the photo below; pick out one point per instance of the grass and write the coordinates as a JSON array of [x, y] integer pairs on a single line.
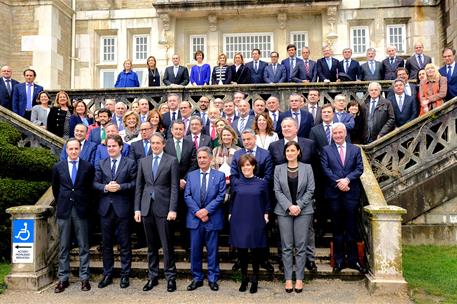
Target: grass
[[4, 270], [431, 273]]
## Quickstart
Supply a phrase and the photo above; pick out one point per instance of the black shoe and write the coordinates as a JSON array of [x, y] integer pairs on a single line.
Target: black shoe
[[267, 266], [236, 266], [85, 285], [244, 285], [253, 288], [171, 285], [311, 266], [213, 286], [194, 285], [298, 290], [150, 284], [125, 282], [61, 286], [107, 280], [359, 268], [337, 269], [289, 290]]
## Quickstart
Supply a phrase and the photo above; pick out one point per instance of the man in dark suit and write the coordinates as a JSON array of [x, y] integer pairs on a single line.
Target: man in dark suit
[[450, 72], [291, 61], [71, 186], [185, 108], [176, 74], [391, 63], [173, 101], [411, 89], [307, 70], [156, 205], [196, 136], [341, 115], [202, 111], [304, 119], [327, 66], [274, 72], [98, 134], [118, 115], [349, 66], [228, 112], [342, 166], [115, 183], [417, 61], [7, 85], [405, 107], [142, 148], [312, 105], [88, 148], [256, 67], [372, 69], [204, 196], [378, 114], [143, 108], [25, 95], [273, 109], [321, 133], [245, 119]]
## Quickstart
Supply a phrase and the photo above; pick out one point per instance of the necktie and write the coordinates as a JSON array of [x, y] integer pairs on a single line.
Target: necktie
[[274, 68], [313, 111], [229, 119], [292, 64], [346, 68], [8, 86], [143, 118], [400, 102], [329, 63], [274, 120], [175, 70], [421, 63], [74, 171], [342, 154], [296, 117], [29, 96], [196, 142], [173, 116], [146, 148], [103, 134], [338, 116], [186, 125], [155, 166], [242, 125], [307, 68], [203, 190], [372, 67], [113, 169], [204, 118], [391, 61], [449, 72], [120, 124], [256, 67], [372, 107], [327, 133], [213, 132], [250, 152], [178, 150]]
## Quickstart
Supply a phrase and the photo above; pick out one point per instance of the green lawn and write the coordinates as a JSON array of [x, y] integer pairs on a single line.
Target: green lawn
[[4, 270], [431, 272]]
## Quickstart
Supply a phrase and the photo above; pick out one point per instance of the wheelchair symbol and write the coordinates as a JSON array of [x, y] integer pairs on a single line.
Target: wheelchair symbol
[[23, 234]]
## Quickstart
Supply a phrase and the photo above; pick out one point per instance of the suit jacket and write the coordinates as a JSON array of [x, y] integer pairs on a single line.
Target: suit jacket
[[68, 195], [243, 75], [102, 153], [204, 141], [353, 71], [6, 99], [299, 73], [409, 110], [306, 123], [333, 170], [307, 148], [264, 168], [279, 76], [94, 136], [365, 72], [451, 82], [318, 118], [305, 189], [136, 150], [213, 201], [323, 71], [74, 120], [182, 77], [390, 70], [249, 124], [383, 120], [160, 192], [347, 119], [166, 120], [319, 137], [188, 160], [20, 97], [121, 201], [257, 77], [412, 65], [87, 153], [286, 63]]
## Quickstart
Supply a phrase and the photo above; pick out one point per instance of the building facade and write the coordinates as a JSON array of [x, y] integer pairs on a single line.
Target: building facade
[[83, 43]]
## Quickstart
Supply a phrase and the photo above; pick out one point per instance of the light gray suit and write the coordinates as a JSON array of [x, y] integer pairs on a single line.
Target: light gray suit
[[294, 230]]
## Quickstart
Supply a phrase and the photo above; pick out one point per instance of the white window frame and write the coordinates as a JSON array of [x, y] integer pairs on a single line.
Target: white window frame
[[102, 47], [141, 72], [403, 37], [265, 53], [298, 45], [113, 70], [134, 45], [367, 39], [191, 46]]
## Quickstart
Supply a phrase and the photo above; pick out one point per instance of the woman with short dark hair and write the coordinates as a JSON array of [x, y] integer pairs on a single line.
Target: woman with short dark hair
[[201, 72]]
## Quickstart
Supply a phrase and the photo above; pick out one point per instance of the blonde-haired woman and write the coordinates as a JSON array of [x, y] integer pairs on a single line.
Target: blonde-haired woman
[[221, 72], [59, 115], [131, 130], [432, 89], [127, 78], [240, 73]]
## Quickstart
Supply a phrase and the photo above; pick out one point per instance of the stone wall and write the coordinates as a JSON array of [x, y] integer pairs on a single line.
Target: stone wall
[[5, 34], [450, 23]]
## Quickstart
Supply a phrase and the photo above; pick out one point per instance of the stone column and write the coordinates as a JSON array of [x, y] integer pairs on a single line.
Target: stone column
[[35, 273], [386, 275]]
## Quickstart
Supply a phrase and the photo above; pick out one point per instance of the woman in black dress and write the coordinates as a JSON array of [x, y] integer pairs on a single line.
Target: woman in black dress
[[59, 115], [248, 215], [240, 72], [356, 134], [152, 76]]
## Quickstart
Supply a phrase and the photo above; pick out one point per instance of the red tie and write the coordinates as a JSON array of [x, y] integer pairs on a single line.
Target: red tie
[[342, 154], [196, 142], [213, 132]]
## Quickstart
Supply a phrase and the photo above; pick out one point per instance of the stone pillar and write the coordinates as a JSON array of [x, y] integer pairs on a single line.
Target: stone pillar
[[386, 275], [35, 273]]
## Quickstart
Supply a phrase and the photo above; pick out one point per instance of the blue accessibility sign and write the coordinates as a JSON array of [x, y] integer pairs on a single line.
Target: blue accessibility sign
[[23, 231]]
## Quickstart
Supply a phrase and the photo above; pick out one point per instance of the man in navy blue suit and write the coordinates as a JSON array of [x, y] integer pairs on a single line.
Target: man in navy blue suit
[[342, 166], [115, 182], [405, 107], [88, 148], [7, 85], [71, 187], [256, 67], [25, 95], [274, 72], [327, 66], [349, 66], [450, 72], [340, 113], [98, 134], [290, 62], [391, 63], [245, 119], [117, 118], [173, 101], [304, 119], [306, 70], [205, 218]]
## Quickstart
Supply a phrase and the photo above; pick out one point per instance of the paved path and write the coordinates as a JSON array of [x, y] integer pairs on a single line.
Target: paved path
[[316, 291]]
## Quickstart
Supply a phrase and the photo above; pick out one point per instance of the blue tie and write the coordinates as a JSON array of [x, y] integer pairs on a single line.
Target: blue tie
[[29, 96], [121, 125], [203, 190], [113, 169], [173, 116], [327, 133], [74, 171], [449, 72], [146, 150], [274, 120], [155, 166]]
